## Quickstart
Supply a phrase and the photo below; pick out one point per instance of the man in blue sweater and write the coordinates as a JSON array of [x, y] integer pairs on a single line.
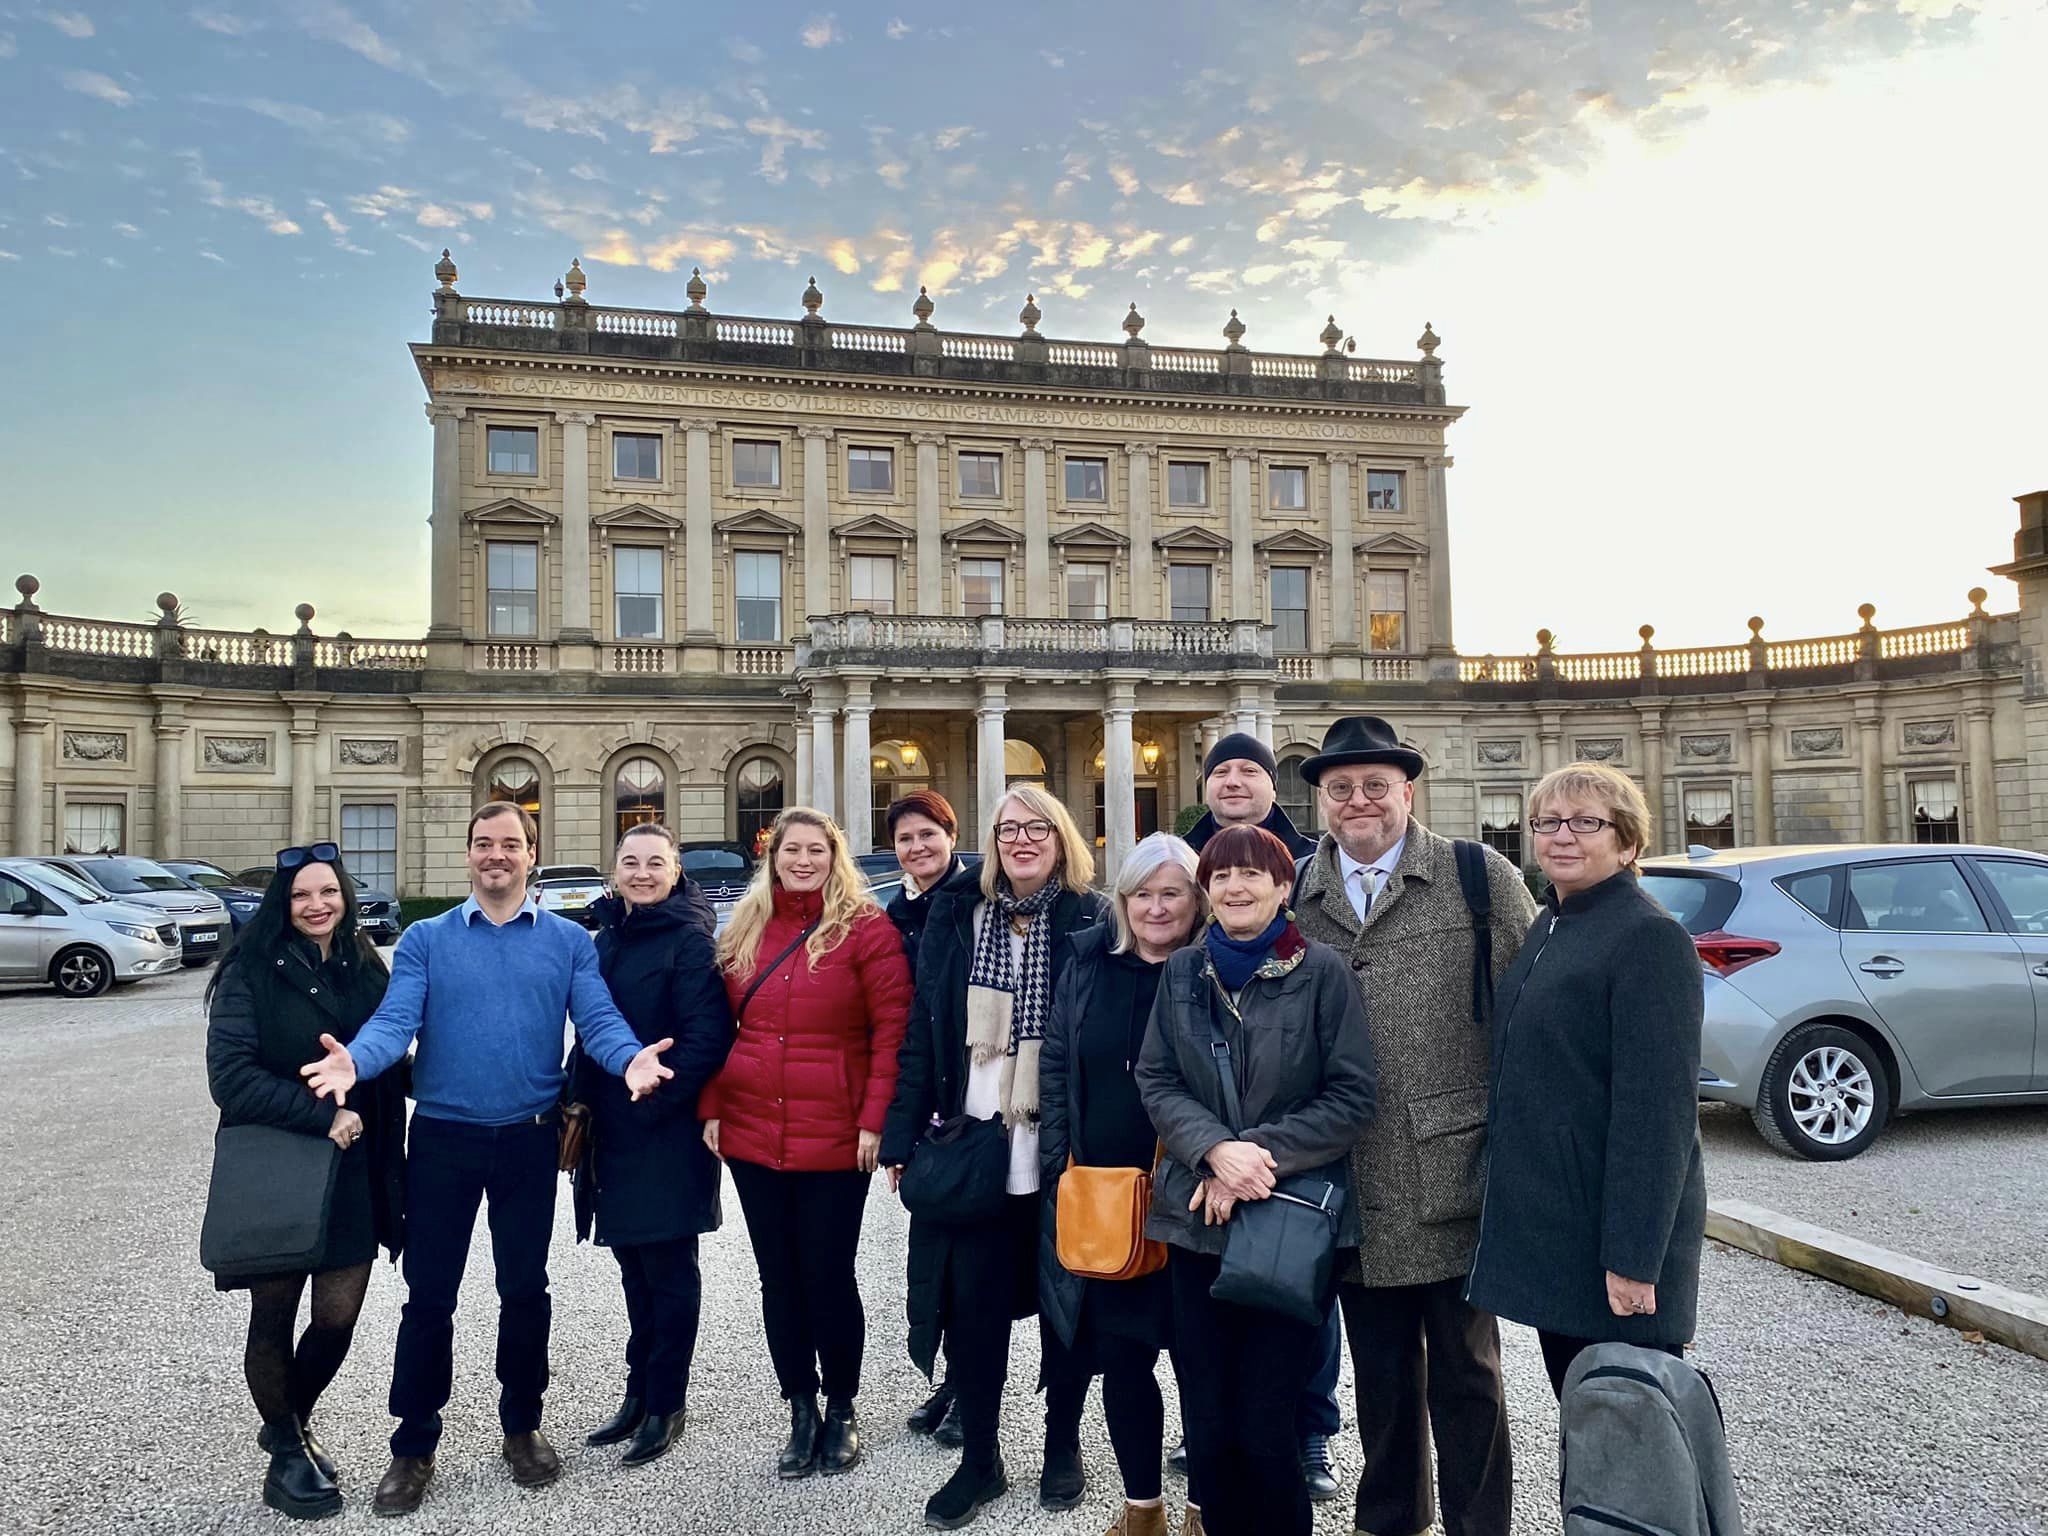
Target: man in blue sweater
[[484, 988]]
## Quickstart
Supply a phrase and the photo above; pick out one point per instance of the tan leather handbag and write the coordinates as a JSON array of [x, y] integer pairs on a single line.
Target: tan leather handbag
[[1100, 1221]]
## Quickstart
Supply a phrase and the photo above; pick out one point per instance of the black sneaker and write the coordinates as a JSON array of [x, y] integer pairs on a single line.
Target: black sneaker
[[964, 1494], [932, 1410], [1315, 1468], [1061, 1482], [1177, 1458], [951, 1433]]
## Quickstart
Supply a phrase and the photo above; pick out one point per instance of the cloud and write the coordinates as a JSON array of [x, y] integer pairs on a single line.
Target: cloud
[[1186, 195], [225, 24], [8, 48], [216, 195], [744, 51], [87, 82], [70, 23], [1181, 246], [952, 138], [214, 256], [127, 231], [778, 136], [821, 31], [1125, 178], [843, 257], [893, 173], [9, 256], [1053, 60], [898, 29], [332, 22], [434, 216], [673, 119], [354, 134], [56, 221]]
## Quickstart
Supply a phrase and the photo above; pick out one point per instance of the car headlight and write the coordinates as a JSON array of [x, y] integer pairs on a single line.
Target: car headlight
[[133, 931]]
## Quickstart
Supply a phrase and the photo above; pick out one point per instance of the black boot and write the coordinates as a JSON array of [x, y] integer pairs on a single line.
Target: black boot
[[799, 1458], [621, 1424], [950, 1433], [960, 1499], [314, 1448], [657, 1432], [839, 1442], [932, 1410], [294, 1486], [1061, 1482]]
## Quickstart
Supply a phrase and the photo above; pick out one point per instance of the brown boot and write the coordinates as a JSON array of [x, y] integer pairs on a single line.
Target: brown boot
[[1139, 1520], [533, 1461], [403, 1485], [1193, 1525]]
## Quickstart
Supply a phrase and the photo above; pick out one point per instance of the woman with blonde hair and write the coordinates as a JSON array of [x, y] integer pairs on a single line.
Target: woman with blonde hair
[[994, 948], [819, 989]]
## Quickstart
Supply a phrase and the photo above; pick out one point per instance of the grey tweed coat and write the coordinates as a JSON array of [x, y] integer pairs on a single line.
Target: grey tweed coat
[[1419, 1171]]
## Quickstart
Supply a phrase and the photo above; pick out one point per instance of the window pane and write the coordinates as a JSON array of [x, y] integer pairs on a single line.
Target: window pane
[[1294, 795], [1290, 587], [94, 826], [512, 596], [636, 456], [1710, 817], [639, 794], [1290, 608], [1187, 485], [757, 799], [872, 583], [636, 577], [757, 583], [981, 474], [870, 469], [1921, 896], [1937, 818], [1087, 480], [1386, 595], [1087, 591], [1500, 824], [369, 844], [1188, 593], [981, 587], [639, 618], [1287, 489], [1383, 490], [2024, 890], [1813, 890], [756, 463], [513, 450]]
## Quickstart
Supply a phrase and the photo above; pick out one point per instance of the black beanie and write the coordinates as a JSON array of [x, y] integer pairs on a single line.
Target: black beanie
[[1240, 745]]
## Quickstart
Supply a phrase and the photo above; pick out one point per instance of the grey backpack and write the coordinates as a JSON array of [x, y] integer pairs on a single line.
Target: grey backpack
[[1644, 1453]]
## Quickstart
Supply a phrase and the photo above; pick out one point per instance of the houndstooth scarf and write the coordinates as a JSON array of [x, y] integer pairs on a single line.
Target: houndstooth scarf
[[1006, 1013]]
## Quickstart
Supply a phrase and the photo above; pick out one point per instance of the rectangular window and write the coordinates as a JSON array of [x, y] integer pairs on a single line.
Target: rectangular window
[[1386, 606], [369, 844], [1500, 825], [871, 583], [1911, 896], [981, 587], [1290, 608], [512, 581], [636, 456], [981, 474], [871, 469], [757, 597], [1087, 591], [513, 450], [1087, 479], [94, 826], [757, 463], [1187, 485], [1383, 490], [636, 593], [1287, 488], [1937, 817], [1187, 593], [1709, 816]]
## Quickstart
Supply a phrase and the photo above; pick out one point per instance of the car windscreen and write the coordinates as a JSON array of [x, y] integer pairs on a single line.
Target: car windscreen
[[699, 862], [128, 876], [1701, 902], [211, 879], [65, 883]]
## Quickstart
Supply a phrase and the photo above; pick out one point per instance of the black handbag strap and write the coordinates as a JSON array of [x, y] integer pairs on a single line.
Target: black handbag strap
[[768, 970], [1226, 1071]]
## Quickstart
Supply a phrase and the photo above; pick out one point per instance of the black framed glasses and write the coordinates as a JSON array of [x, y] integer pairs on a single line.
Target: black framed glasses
[[1582, 826], [311, 853], [1030, 831], [1344, 789]]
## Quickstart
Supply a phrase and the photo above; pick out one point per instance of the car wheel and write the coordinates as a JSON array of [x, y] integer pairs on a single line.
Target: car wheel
[[81, 972], [1824, 1096]]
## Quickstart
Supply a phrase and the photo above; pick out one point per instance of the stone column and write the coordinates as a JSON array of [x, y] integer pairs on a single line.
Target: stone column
[[1212, 731], [989, 781], [1653, 774], [931, 495], [1439, 522], [1080, 800], [801, 790], [1870, 767], [305, 769], [1983, 813], [1144, 575], [823, 753], [1764, 814], [1037, 531], [171, 731], [957, 782], [1343, 569], [1244, 709], [817, 523], [575, 627], [29, 787], [1119, 777], [1549, 741], [860, 776], [700, 622], [445, 524], [1244, 600]]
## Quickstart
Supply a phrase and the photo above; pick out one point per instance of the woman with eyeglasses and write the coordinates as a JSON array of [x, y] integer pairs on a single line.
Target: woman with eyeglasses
[[299, 969], [1596, 1195], [994, 947]]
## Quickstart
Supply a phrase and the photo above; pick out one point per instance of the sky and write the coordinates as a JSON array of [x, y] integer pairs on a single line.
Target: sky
[[1745, 299]]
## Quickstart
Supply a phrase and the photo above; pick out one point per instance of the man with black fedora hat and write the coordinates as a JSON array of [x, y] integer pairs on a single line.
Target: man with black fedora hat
[[1429, 925]]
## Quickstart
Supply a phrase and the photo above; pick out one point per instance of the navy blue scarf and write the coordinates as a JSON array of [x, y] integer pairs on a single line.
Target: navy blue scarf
[[1236, 959]]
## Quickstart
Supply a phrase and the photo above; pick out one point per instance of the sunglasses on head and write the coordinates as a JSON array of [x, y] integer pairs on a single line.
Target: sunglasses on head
[[312, 853]]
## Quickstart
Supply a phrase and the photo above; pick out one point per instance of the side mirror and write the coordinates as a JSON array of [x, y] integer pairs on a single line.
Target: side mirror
[[28, 906]]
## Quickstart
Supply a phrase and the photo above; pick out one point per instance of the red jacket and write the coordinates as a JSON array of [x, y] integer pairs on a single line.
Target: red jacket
[[815, 1060]]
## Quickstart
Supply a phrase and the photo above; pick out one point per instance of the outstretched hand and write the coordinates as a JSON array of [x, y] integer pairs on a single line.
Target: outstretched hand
[[644, 1073], [332, 1075]]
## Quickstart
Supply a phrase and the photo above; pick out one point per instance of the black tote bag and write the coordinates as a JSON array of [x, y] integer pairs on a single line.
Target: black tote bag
[[268, 1204], [958, 1171]]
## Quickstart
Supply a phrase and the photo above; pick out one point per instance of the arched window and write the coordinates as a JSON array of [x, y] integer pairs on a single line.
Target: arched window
[[1296, 796], [758, 798], [639, 794], [517, 780]]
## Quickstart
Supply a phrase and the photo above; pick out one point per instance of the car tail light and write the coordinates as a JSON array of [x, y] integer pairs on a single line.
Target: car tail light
[[1726, 953]]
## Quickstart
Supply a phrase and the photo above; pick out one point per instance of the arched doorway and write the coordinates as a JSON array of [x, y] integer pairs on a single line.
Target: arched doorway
[[516, 779], [1024, 764], [760, 793], [896, 768], [639, 795]]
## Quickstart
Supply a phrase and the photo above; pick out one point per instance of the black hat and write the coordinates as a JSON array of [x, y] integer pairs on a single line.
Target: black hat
[[1240, 747], [1361, 739]]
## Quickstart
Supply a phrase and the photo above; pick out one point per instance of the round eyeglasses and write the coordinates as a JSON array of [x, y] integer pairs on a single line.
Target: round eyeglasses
[[1344, 790], [1030, 831], [1582, 826]]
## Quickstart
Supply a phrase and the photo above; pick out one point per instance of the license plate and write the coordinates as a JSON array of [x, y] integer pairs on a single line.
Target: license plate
[[575, 898], [208, 936]]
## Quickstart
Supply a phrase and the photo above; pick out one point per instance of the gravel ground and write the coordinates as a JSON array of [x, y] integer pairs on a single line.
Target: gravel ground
[[127, 1412]]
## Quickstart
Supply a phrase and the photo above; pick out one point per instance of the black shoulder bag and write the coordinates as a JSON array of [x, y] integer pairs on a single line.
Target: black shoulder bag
[[1279, 1253], [268, 1202]]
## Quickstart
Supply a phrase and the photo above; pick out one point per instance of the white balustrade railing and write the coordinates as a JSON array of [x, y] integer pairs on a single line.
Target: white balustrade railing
[[232, 648], [986, 349], [1068, 354], [850, 338], [639, 658], [1059, 635], [533, 317], [1390, 669], [1927, 640], [636, 322], [507, 656], [98, 637], [1702, 661], [1497, 669], [1171, 360], [1600, 667], [1264, 366], [1373, 371], [758, 660], [1166, 637], [766, 333], [1299, 669], [370, 655]]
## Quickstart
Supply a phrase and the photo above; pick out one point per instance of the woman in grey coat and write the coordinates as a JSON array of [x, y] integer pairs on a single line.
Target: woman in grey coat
[[1596, 1196]]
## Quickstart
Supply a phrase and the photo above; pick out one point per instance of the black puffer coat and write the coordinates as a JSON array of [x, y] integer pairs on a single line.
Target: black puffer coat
[[909, 913], [647, 1176]]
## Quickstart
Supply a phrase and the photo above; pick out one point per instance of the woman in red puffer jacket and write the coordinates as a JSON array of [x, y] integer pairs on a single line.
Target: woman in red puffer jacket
[[821, 992]]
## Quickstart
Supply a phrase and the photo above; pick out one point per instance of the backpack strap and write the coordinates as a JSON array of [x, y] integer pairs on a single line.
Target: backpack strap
[[1300, 873], [1472, 881]]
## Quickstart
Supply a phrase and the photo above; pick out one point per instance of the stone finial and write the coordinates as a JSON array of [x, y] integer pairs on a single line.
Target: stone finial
[[1133, 323], [1233, 332], [1332, 335], [813, 299], [167, 605], [1029, 315], [923, 307], [1866, 612], [27, 586], [696, 289], [444, 269], [1977, 596], [1428, 341], [304, 614], [1648, 632], [574, 280], [1543, 639], [1756, 627]]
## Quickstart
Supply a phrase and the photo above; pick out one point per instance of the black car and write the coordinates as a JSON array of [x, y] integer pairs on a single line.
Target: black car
[[722, 869]]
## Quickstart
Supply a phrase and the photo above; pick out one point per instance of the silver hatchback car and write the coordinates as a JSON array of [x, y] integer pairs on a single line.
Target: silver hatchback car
[[56, 928], [1846, 983]]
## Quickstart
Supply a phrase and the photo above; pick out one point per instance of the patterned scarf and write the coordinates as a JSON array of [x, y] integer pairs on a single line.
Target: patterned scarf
[[1006, 1012]]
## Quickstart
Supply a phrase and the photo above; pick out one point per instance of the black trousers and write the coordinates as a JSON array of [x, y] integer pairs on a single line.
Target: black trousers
[[450, 1169], [1242, 1372], [1561, 1349], [805, 1228], [1131, 1404], [1426, 1365], [664, 1298]]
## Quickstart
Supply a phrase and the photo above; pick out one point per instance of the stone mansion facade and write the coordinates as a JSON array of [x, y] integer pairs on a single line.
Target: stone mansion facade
[[702, 567]]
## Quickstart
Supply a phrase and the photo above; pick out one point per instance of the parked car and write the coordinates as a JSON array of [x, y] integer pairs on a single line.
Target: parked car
[[882, 869], [202, 918], [376, 909], [568, 890], [722, 869], [1846, 984], [58, 928], [240, 900]]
